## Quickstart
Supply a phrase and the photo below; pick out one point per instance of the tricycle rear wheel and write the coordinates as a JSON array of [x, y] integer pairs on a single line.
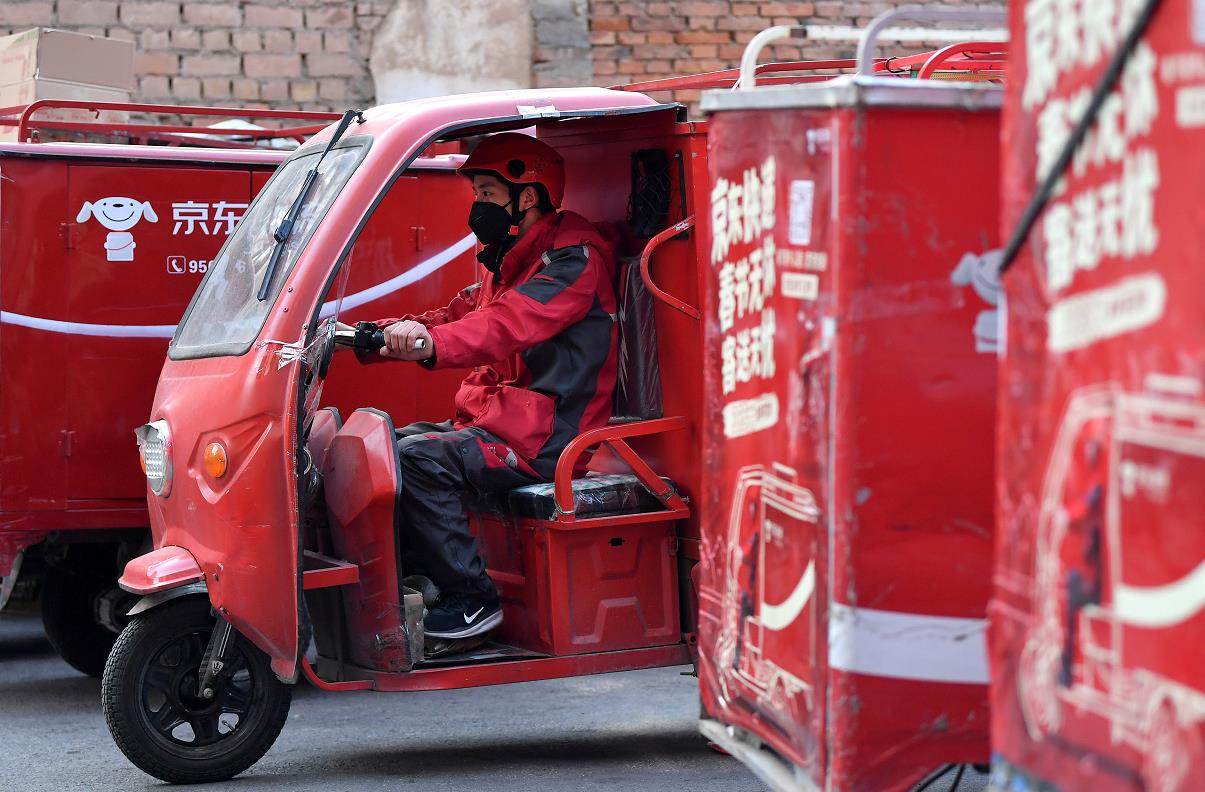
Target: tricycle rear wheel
[[68, 597], [158, 720]]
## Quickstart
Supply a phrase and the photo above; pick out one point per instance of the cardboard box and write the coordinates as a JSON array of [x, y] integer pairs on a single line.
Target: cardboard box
[[43, 54], [57, 64]]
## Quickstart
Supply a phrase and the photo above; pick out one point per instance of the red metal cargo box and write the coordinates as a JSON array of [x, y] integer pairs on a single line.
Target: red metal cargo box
[[1097, 634], [850, 386], [102, 248]]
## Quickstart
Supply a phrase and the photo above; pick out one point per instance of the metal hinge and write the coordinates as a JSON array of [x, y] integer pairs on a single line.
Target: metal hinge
[[68, 436], [67, 232]]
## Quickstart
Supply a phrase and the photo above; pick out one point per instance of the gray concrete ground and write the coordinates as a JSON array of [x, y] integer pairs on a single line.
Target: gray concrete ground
[[629, 731]]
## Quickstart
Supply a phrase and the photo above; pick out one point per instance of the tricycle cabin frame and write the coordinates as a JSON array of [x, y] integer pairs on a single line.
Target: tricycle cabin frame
[[400, 135]]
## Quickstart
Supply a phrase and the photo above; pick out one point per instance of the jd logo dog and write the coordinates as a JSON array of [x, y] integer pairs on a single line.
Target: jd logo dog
[[119, 215]]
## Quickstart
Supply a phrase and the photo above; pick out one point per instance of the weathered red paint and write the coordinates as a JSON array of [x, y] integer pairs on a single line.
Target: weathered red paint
[[847, 533], [1097, 626]]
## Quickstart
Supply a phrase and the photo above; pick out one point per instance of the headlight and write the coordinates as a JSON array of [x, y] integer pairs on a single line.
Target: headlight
[[155, 448]]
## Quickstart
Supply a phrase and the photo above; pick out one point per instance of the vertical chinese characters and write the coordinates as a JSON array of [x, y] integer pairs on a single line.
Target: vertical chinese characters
[[1115, 217], [742, 252]]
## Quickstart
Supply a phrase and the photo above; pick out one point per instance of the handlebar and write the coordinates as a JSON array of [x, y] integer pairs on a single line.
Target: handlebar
[[367, 338]]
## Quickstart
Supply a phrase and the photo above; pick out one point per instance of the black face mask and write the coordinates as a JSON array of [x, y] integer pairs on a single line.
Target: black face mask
[[490, 222]]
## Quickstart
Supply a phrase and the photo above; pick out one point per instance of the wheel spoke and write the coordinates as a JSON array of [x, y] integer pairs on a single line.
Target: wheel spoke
[[160, 678], [236, 699], [166, 719], [235, 662], [195, 649], [205, 729]]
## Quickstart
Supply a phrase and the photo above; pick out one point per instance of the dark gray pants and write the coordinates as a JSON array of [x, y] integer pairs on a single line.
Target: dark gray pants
[[441, 468]]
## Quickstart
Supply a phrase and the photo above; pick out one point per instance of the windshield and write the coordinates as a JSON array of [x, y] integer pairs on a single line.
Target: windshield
[[225, 316]]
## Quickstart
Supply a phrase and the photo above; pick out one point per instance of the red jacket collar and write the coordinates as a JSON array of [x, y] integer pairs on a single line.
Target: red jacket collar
[[530, 246]]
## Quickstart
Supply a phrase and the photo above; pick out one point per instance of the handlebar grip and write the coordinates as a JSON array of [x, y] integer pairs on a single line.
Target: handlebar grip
[[378, 341]]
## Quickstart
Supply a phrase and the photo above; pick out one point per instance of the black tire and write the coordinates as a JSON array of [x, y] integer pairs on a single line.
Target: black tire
[[69, 618], [148, 697]]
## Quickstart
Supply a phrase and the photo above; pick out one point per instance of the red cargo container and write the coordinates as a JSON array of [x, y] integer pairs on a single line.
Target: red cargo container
[[850, 390], [101, 248], [1097, 633]]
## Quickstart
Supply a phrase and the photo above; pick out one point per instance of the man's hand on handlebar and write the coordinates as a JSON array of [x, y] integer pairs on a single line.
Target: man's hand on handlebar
[[407, 340]]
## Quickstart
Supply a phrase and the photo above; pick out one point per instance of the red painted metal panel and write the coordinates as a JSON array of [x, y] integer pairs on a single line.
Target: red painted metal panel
[[324, 572], [1097, 622], [247, 545], [33, 466], [506, 672], [847, 539], [361, 482], [67, 445], [131, 275]]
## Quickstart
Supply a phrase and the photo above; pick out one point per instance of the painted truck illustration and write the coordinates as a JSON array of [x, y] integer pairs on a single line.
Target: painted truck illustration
[[770, 582], [1120, 582]]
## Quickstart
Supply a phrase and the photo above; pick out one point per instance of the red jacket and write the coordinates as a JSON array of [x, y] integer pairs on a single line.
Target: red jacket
[[541, 338]]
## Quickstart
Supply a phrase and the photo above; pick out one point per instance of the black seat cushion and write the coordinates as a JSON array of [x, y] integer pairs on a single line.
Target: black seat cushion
[[593, 496]]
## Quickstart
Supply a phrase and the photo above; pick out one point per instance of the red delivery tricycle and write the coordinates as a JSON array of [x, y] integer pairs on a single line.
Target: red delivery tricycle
[[274, 520]]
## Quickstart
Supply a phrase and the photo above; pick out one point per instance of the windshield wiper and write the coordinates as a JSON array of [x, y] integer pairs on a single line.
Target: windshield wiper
[[285, 229]]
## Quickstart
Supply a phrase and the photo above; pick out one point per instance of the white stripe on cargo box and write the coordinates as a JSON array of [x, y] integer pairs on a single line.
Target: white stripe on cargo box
[[415, 273], [907, 645]]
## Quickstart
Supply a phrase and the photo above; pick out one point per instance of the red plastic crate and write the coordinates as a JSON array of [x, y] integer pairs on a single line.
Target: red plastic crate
[[572, 589]]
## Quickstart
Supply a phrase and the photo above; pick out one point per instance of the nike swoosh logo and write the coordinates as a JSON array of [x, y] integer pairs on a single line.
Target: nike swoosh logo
[[469, 619]]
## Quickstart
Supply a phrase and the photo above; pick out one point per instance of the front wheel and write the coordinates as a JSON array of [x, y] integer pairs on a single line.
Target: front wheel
[[158, 719]]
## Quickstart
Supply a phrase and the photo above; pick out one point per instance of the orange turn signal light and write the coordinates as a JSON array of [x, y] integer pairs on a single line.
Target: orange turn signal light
[[215, 460]]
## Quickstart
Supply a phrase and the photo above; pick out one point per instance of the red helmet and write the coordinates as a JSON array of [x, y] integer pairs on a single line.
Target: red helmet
[[520, 159]]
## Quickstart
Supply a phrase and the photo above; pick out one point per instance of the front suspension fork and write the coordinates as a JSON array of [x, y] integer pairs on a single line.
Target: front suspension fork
[[214, 659]]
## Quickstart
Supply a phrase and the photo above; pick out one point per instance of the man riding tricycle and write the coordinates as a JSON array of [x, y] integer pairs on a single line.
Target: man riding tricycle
[[291, 542]]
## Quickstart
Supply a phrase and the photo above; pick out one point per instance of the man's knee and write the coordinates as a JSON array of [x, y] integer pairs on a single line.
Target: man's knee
[[428, 456]]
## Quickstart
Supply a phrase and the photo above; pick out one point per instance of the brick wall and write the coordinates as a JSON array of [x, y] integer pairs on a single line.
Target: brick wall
[[562, 54], [314, 54], [307, 54], [639, 41]]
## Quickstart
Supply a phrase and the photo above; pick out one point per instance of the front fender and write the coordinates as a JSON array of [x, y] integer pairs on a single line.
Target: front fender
[[169, 567], [158, 598]]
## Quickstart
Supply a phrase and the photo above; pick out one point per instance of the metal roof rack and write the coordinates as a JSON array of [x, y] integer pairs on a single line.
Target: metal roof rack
[[30, 129]]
